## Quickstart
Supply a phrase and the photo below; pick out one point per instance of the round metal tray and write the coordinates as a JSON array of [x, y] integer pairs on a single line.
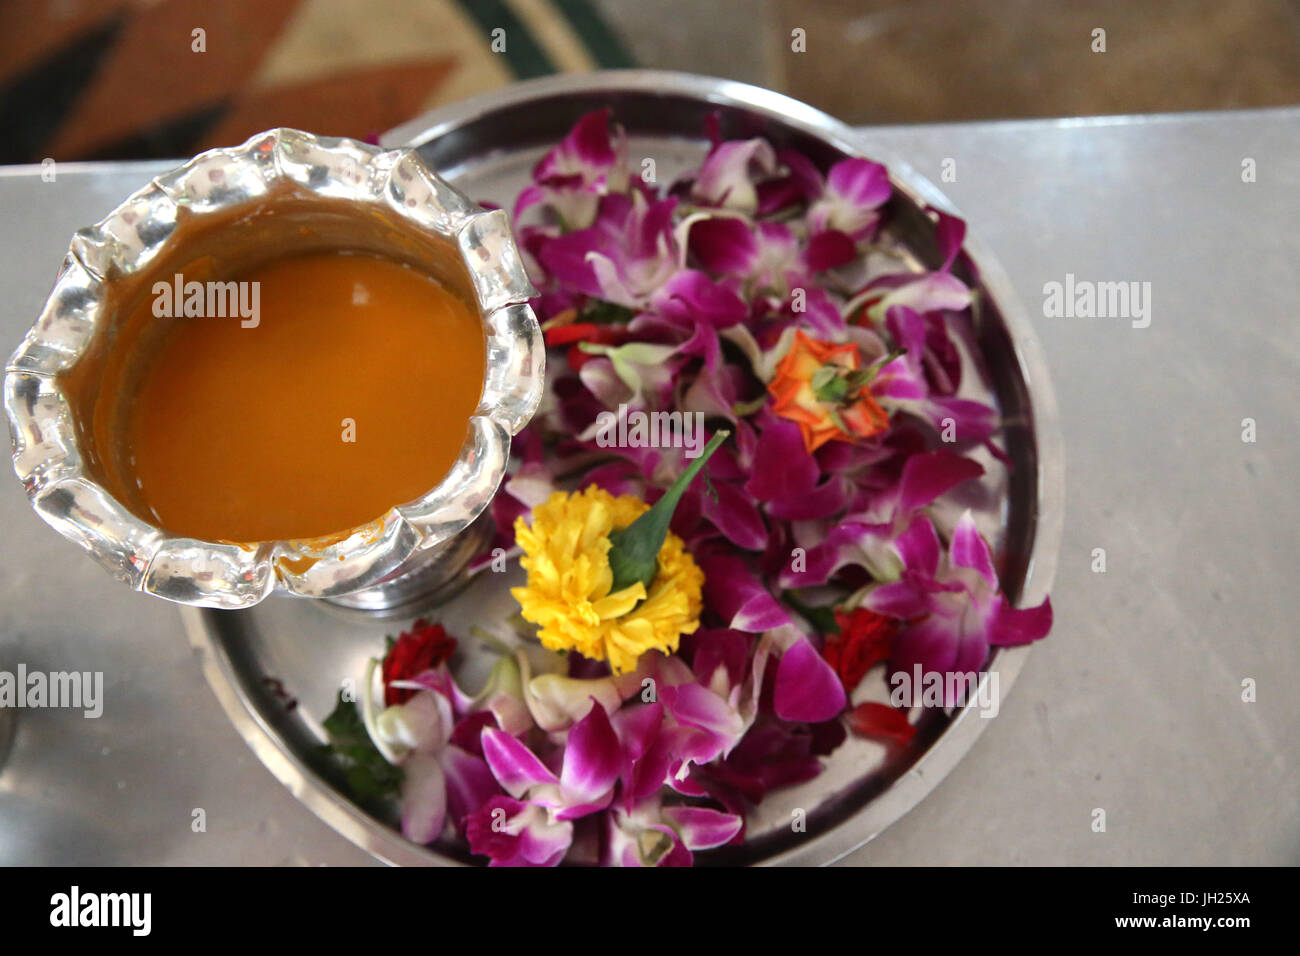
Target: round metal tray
[[276, 668]]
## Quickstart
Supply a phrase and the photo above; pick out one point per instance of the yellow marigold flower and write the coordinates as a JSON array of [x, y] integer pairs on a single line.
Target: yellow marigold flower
[[566, 555]]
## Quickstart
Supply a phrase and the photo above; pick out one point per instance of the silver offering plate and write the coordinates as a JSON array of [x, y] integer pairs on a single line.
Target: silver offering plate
[[277, 668], [283, 191]]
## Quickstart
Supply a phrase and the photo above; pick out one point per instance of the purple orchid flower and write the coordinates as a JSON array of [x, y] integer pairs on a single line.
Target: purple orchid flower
[[737, 596], [807, 689], [729, 174], [570, 179], [772, 755], [440, 778], [789, 481], [728, 394], [798, 182], [854, 192], [687, 726], [865, 538], [774, 268], [534, 825], [640, 375], [922, 292], [765, 255], [902, 385], [651, 834], [950, 233], [691, 309], [962, 613], [625, 256]]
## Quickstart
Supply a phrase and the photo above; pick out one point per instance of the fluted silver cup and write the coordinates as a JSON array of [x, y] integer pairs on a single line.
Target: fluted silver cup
[[384, 196]]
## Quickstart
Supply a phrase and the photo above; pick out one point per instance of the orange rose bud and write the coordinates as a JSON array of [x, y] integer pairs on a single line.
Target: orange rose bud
[[816, 388]]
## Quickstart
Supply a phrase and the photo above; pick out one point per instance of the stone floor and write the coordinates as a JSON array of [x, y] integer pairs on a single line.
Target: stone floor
[[84, 79]]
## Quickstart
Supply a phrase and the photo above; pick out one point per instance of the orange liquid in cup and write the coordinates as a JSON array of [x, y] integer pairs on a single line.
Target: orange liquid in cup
[[241, 433]]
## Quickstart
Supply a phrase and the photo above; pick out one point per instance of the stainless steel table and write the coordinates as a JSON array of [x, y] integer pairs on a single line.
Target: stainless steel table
[[1132, 705]]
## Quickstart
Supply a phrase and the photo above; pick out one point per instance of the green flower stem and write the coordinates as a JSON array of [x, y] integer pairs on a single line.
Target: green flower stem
[[634, 551]]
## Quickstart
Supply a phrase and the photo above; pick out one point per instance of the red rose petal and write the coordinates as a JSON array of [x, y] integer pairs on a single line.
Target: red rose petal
[[875, 721], [865, 640], [422, 648]]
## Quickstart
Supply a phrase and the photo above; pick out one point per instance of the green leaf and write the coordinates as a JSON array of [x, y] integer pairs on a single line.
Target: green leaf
[[634, 551], [745, 409], [821, 618], [837, 420], [369, 775], [600, 312], [831, 390], [822, 377]]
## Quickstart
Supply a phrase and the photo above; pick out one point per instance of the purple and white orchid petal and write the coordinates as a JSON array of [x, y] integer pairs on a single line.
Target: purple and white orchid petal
[[918, 546], [651, 771], [693, 746], [927, 476], [940, 644], [692, 297], [510, 712], [932, 292], [731, 589], [469, 782], [859, 181], [735, 514], [423, 723], [832, 497], [626, 255], [852, 543], [898, 599], [964, 419], [720, 658], [371, 694], [779, 264], [588, 150], [762, 361], [696, 706], [576, 811], [570, 179], [751, 695], [612, 286], [515, 767], [807, 688], [803, 182], [511, 833], [503, 695], [701, 828], [557, 702], [641, 367], [728, 174], [639, 839], [424, 798], [439, 680], [950, 233], [855, 189], [928, 292], [968, 549], [899, 384], [636, 727], [592, 758], [820, 315], [542, 842]]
